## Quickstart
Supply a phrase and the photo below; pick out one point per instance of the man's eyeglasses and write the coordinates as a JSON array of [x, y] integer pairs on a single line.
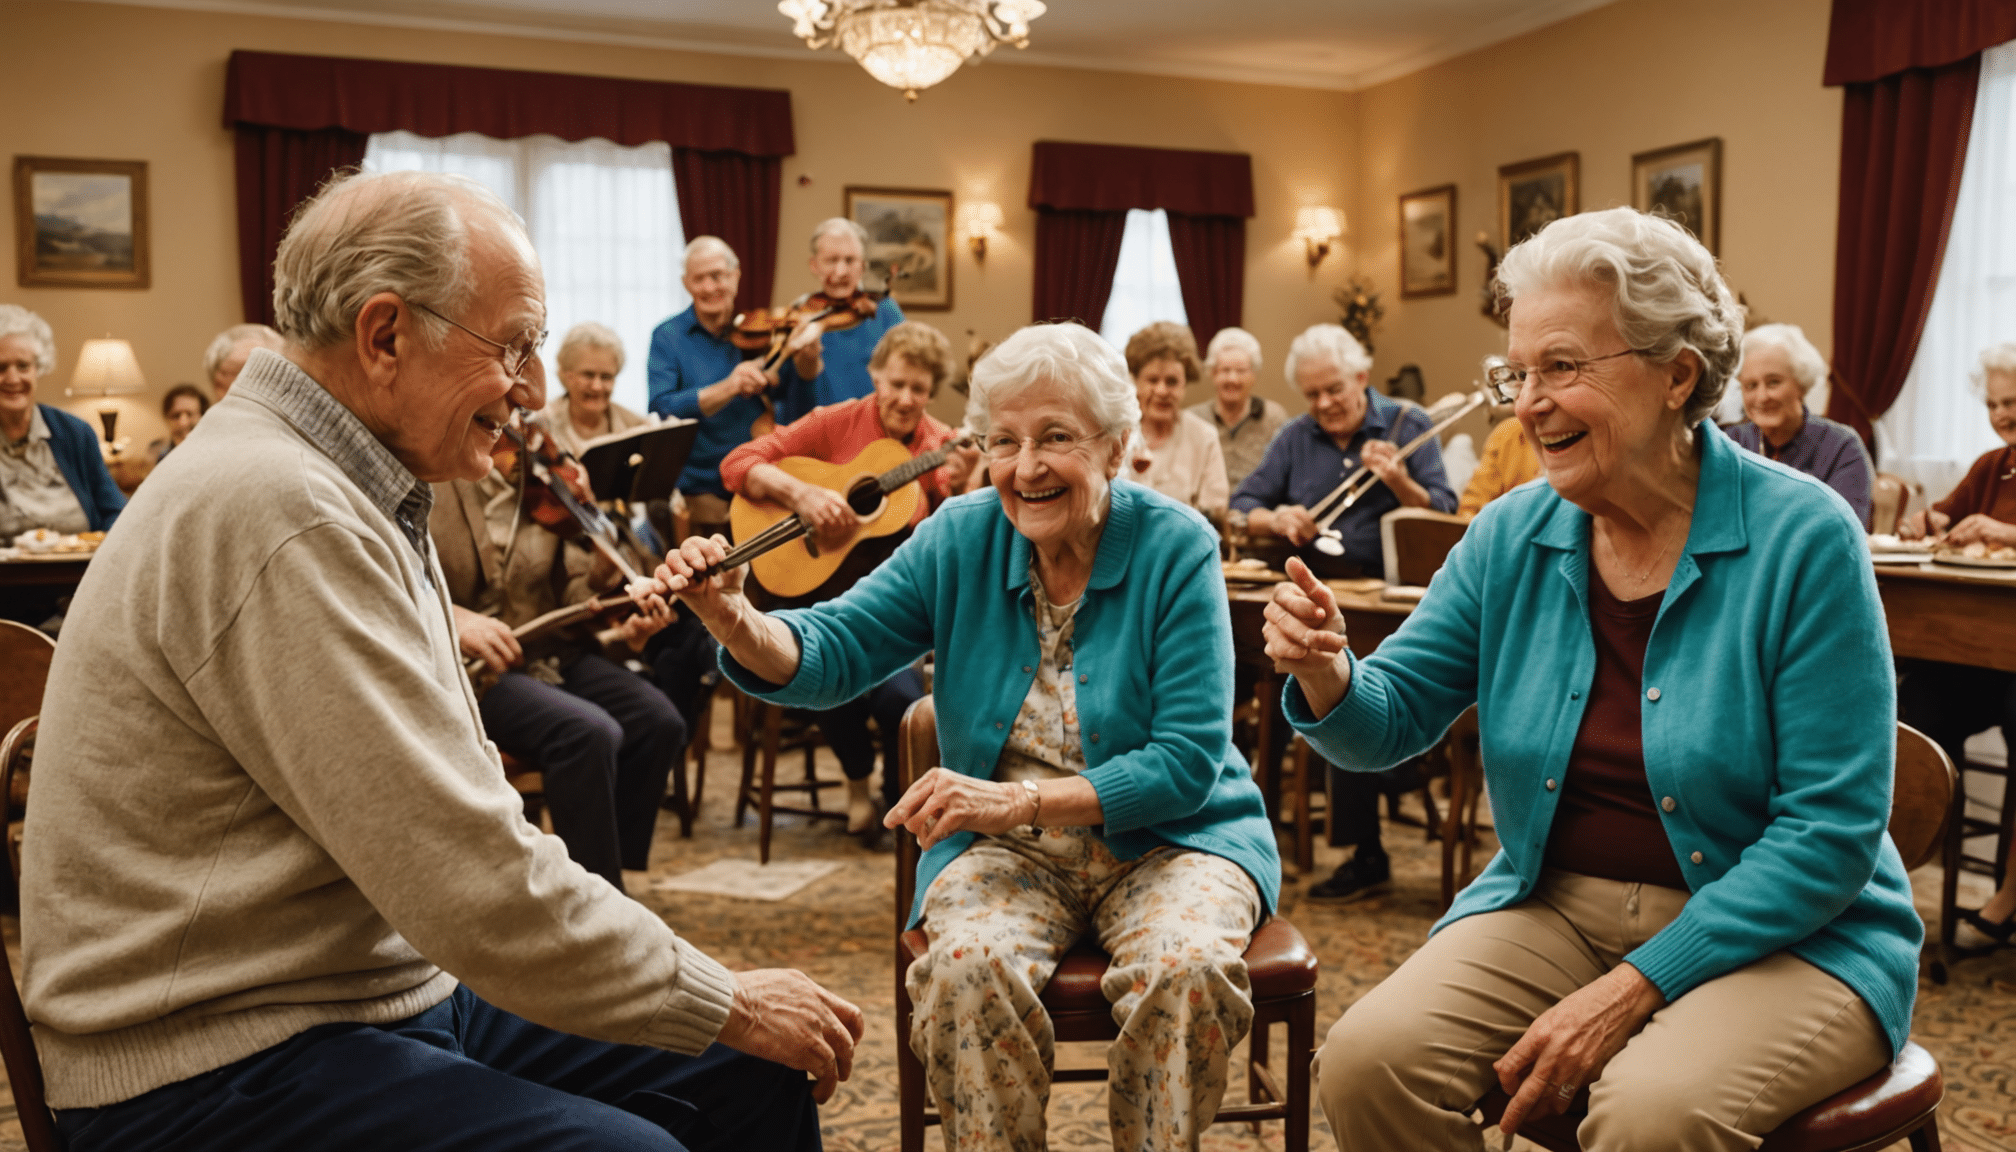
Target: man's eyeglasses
[[516, 355], [1505, 378], [1001, 447]]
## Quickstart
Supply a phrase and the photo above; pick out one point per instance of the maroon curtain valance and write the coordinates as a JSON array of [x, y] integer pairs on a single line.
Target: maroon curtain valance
[[1870, 39], [312, 93], [1115, 178]]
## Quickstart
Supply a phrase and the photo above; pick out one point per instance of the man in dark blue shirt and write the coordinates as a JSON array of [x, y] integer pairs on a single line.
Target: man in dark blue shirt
[[839, 256], [1347, 425], [695, 373]]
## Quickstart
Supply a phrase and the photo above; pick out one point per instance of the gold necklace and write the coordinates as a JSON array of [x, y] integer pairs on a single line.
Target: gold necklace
[[1638, 582]]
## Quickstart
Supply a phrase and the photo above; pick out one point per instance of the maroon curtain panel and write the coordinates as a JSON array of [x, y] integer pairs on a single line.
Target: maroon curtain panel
[[1076, 255], [1115, 178], [1870, 39], [736, 198], [278, 168], [1903, 145], [1211, 264]]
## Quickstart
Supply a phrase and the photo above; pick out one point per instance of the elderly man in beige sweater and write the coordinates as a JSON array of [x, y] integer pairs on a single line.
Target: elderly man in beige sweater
[[276, 892]]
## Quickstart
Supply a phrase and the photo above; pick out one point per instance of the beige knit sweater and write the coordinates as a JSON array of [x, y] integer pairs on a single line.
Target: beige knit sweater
[[263, 799]]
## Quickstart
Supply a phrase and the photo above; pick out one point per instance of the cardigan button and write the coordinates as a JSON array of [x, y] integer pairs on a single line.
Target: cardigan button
[[1026, 668], [1095, 737], [1696, 858], [1083, 679], [1652, 694], [1574, 695], [997, 724], [1550, 784], [1668, 804]]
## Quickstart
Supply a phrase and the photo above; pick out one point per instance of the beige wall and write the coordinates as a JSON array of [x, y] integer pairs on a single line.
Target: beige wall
[[92, 80], [1629, 77]]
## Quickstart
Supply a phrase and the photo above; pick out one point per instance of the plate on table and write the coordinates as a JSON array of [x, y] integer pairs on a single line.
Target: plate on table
[[1242, 572], [1885, 546], [1962, 560]]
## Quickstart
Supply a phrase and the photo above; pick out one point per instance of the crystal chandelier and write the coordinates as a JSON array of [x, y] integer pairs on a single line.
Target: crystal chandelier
[[912, 44]]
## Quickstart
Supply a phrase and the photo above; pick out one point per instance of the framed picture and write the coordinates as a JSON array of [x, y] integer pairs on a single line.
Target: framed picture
[[80, 223], [1685, 183], [909, 234], [1428, 242], [1534, 194]]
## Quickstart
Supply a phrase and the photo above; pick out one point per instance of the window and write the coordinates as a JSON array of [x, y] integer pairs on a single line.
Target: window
[[1937, 426], [604, 218], [1145, 288]]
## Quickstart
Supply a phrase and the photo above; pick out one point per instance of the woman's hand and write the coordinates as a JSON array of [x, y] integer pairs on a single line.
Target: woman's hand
[[653, 616], [1570, 1044], [942, 802], [1980, 529], [1924, 522], [486, 638], [716, 600], [1305, 638]]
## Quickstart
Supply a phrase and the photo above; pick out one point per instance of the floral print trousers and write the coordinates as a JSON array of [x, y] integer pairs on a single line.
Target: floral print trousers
[[1001, 917]]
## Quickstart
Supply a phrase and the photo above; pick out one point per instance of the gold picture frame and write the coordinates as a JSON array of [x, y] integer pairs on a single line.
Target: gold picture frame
[[1685, 183], [1534, 193], [909, 242], [80, 223], [1428, 242]]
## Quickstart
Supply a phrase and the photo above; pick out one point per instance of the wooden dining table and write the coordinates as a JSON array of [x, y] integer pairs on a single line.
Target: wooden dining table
[[1949, 613]]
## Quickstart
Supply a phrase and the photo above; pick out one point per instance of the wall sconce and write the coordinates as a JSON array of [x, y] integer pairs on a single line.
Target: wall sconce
[[1317, 228], [976, 221], [107, 368]]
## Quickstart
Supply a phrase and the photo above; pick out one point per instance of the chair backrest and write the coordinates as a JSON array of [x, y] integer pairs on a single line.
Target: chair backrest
[[1891, 499], [916, 753], [24, 1067], [24, 671], [1416, 541], [1921, 798]]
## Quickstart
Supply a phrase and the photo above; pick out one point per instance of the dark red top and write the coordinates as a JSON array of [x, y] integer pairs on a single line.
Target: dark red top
[[1607, 824], [1990, 488]]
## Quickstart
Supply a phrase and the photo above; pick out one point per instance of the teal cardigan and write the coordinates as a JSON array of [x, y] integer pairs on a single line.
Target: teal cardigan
[[1769, 717], [1153, 654]]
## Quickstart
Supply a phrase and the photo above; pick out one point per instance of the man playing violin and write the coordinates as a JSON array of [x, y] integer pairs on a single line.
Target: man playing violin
[[697, 373], [907, 367], [839, 257], [602, 738]]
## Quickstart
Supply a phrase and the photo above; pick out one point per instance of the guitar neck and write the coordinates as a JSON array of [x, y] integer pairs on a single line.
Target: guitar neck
[[904, 473]]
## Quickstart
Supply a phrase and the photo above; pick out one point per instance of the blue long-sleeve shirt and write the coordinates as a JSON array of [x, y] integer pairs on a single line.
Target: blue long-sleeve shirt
[[844, 375], [685, 358], [1304, 464], [1821, 448]]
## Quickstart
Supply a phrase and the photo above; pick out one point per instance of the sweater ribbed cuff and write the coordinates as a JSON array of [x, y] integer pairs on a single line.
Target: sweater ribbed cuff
[[693, 1015]]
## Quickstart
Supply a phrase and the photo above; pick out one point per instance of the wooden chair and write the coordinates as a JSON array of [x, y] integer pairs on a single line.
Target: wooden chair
[[1898, 1103], [1961, 826], [684, 800], [1282, 968], [1462, 753], [1416, 541], [24, 1067], [1891, 501], [765, 730], [25, 654]]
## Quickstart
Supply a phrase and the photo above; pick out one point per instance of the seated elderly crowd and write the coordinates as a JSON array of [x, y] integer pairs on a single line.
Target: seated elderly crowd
[[307, 637]]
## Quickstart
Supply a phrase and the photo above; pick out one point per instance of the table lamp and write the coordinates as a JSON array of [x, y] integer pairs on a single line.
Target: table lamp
[[107, 368]]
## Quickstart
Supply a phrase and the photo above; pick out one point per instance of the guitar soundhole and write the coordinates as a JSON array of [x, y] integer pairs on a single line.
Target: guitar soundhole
[[864, 496]]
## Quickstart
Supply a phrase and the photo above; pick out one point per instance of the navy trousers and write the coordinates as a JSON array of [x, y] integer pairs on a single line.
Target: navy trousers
[[605, 742], [846, 729], [462, 1077]]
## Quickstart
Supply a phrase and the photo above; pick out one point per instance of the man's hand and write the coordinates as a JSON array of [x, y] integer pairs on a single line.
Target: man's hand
[[1305, 638], [1291, 522], [1980, 529], [1569, 1045], [1384, 461], [961, 465], [488, 639], [780, 1015], [824, 512], [653, 616]]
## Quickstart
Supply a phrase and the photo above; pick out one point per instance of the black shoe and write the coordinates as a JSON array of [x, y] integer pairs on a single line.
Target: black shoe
[[1365, 874], [1996, 930]]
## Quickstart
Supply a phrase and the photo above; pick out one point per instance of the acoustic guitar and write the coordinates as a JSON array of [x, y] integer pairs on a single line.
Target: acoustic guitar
[[879, 484]]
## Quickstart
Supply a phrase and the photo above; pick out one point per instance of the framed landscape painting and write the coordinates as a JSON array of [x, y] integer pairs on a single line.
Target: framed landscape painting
[[80, 223], [1535, 193], [908, 233], [1428, 242], [1685, 183]]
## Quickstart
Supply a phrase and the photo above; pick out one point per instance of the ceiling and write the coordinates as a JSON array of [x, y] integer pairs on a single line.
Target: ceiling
[[1342, 44]]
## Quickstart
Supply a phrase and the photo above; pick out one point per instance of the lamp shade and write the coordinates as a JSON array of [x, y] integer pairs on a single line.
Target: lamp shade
[[1320, 224], [978, 218], [106, 368]]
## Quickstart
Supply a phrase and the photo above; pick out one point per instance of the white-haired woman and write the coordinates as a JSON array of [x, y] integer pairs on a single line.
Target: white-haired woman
[[1090, 786], [590, 357], [1780, 367], [226, 356], [1696, 913], [1246, 423], [1177, 454], [51, 474]]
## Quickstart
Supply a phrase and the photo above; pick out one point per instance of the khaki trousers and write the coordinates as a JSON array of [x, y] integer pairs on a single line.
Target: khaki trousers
[[1716, 1069]]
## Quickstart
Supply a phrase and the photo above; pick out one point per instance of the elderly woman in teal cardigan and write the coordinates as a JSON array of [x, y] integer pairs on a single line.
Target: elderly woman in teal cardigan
[[1684, 692], [1089, 784]]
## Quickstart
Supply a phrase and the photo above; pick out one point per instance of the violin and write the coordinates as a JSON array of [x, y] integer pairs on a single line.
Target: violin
[[770, 330], [554, 493]]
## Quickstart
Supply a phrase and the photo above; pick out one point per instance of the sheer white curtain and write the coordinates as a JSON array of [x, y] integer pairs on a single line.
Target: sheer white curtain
[[1938, 426], [1145, 288], [605, 219]]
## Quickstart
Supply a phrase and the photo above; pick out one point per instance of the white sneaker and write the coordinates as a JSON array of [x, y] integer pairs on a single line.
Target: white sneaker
[[861, 811]]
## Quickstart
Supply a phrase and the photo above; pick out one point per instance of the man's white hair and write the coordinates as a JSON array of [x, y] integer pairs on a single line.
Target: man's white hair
[[18, 321], [1998, 358], [406, 233], [585, 336], [1666, 296], [1329, 343], [701, 246], [1808, 366], [1233, 340], [1068, 354], [220, 348], [837, 226]]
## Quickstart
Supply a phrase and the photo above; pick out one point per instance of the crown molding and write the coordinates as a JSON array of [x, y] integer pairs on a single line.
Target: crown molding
[[1482, 36]]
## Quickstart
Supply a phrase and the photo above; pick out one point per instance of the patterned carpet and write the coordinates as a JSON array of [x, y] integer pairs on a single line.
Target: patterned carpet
[[839, 931]]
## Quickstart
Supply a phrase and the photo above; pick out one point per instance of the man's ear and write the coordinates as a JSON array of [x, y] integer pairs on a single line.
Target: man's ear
[[384, 333]]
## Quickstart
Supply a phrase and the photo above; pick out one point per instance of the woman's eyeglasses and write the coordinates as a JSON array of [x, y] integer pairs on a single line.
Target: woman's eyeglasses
[[1505, 377], [1001, 447]]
